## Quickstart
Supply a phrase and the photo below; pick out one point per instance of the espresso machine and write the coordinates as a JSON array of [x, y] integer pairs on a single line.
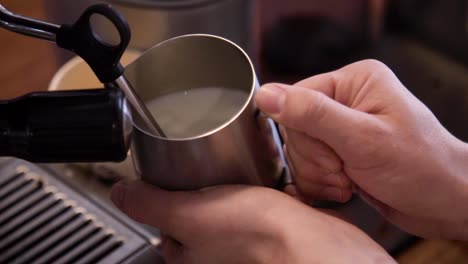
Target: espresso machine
[[44, 217]]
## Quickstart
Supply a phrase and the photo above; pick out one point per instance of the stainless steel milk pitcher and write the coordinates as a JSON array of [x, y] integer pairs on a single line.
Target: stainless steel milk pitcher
[[244, 149]]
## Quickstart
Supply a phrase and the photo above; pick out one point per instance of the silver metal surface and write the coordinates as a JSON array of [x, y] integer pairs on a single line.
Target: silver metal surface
[[127, 122], [153, 21], [245, 150], [44, 30], [161, 20], [46, 219], [139, 107]]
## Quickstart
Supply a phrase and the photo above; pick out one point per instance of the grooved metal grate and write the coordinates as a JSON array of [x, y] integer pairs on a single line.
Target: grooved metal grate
[[42, 220]]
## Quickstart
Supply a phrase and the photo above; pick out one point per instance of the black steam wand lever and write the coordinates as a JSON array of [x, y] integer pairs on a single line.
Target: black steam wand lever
[[80, 38]]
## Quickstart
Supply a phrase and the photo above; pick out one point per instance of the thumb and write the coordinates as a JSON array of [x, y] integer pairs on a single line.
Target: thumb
[[311, 112], [150, 205]]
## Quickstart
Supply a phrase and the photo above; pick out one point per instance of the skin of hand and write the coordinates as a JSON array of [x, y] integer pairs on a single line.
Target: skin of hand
[[360, 128], [244, 224]]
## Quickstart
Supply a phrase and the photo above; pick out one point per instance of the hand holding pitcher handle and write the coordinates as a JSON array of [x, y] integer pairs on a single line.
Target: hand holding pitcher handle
[[360, 127]]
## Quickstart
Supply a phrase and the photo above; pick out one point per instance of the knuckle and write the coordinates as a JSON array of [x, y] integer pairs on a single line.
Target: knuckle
[[375, 129], [369, 69], [373, 136], [314, 110], [308, 173], [317, 107], [372, 64]]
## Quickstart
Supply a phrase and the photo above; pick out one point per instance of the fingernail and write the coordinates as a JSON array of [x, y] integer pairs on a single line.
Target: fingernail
[[270, 99], [118, 193], [336, 194], [338, 180]]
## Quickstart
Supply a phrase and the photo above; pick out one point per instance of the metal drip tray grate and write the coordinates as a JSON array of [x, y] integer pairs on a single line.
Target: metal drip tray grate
[[43, 220]]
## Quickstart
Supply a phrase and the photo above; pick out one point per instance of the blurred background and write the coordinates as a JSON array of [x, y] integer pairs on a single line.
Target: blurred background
[[424, 41]]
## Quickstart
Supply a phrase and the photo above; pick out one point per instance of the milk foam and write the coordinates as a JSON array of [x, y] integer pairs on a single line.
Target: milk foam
[[191, 113]]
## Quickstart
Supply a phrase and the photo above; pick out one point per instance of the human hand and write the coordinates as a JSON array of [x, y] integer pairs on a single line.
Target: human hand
[[243, 224], [360, 126]]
